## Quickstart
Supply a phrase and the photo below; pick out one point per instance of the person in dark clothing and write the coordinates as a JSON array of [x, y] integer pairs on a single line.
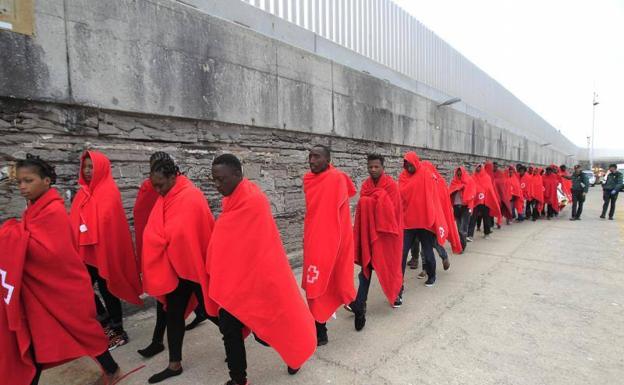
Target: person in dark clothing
[[610, 190], [580, 187]]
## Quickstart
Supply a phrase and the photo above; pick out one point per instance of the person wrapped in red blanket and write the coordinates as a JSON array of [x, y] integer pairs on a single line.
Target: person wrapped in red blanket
[[47, 315], [537, 188], [486, 203], [566, 184], [426, 213], [327, 239], [104, 242], [249, 276], [145, 200], [502, 186], [551, 180], [378, 234], [175, 242], [462, 191], [517, 195]]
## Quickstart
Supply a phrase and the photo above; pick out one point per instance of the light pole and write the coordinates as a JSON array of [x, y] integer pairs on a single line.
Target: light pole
[[589, 151], [593, 134]]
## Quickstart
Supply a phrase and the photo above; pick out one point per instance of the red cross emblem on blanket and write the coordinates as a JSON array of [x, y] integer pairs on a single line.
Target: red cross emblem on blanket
[[8, 288], [313, 274]]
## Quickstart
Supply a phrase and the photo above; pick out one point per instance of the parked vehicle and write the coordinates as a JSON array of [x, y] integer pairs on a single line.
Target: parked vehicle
[[591, 177]]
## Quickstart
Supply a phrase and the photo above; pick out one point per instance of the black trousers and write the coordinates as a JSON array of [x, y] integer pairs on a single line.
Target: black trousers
[[177, 302], [481, 212], [113, 304], [578, 198], [550, 211], [531, 209], [462, 219], [608, 199], [161, 317], [105, 360], [232, 331]]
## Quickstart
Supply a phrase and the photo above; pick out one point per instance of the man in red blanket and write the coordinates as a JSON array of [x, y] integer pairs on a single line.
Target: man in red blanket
[[537, 187], [426, 213], [47, 314], [526, 184], [486, 202], [145, 201], [551, 180], [517, 195], [462, 190], [104, 242], [378, 233], [327, 239], [175, 242], [503, 190], [254, 287]]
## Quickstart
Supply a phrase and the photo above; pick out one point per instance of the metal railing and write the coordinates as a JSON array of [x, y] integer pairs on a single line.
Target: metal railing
[[387, 34]]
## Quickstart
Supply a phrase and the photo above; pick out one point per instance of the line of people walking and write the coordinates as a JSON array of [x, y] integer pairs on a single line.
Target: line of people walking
[[234, 270]]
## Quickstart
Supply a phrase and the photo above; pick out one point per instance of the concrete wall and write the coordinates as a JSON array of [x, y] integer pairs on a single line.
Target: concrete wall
[[133, 77]]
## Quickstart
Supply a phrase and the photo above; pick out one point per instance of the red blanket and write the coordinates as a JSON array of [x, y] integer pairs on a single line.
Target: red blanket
[[249, 276], [47, 295], [327, 242], [566, 185], [516, 190], [486, 194], [526, 184], [538, 189], [175, 241], [551, 181], [378, 233], [502, 185], [145, 201], [452, 234], [466, 185], [101, 230]]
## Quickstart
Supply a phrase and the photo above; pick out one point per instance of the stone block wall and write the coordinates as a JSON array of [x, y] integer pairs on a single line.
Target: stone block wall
[[275, 159]]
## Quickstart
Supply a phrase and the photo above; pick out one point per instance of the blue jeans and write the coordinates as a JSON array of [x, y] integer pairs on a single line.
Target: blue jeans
[[427, 241]]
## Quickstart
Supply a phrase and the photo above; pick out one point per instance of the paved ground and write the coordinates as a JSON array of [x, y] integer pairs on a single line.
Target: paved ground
[[537, 303]]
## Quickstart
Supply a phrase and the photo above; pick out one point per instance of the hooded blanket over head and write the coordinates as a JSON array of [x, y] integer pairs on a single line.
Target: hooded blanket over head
[[145, 201], [486, 194], [426, 201], [465, 185], [378, 233], [175, 242], [327, 242], [101, 230], [249, 276], [551, 182], [47, 304], [516, 190]]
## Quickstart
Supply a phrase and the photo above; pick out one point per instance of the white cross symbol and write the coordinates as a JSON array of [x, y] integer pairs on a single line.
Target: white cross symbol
[[522, 185], [5, 285], [313, 274], [442, 232], [481, 196]]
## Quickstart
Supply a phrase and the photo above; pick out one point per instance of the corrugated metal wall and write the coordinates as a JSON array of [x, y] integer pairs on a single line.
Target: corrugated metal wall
[[384, 32]]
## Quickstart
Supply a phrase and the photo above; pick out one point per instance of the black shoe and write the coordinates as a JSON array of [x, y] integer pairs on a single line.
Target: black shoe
[[198, 319], [321, 335], [360, 317], [158, 377], [398, 303], [153, 349], [292, 371], [602, 216], [430, 281], [572, 219], [610, 218], [231, 382]]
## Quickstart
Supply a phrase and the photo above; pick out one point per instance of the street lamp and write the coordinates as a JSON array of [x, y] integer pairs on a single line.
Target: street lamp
[[449, 102], [593, 135]]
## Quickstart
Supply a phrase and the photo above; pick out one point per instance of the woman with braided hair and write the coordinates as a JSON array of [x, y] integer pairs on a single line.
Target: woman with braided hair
[[145, 201], [47, 315], [175, 241]]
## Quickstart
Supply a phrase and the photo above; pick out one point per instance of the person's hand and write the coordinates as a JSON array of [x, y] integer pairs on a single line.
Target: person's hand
[[584, 193]]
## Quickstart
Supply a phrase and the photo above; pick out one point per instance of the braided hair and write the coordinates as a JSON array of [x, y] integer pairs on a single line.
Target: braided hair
[[166, 166], [159, 155], [43, 168]]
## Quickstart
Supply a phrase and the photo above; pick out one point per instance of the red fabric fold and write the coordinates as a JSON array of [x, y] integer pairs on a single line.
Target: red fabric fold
[[328, 242], [47, 294], [175, 242], [378, 233], [145, 201], [486, 194], [551, 181], [526, 184], [249, 276], [566, 184], [538, 189], [466, 185], [101, 230], [516, 190], [502, 185]]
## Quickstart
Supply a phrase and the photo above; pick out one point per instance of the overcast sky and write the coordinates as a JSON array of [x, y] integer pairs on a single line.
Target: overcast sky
[[549, 53]]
